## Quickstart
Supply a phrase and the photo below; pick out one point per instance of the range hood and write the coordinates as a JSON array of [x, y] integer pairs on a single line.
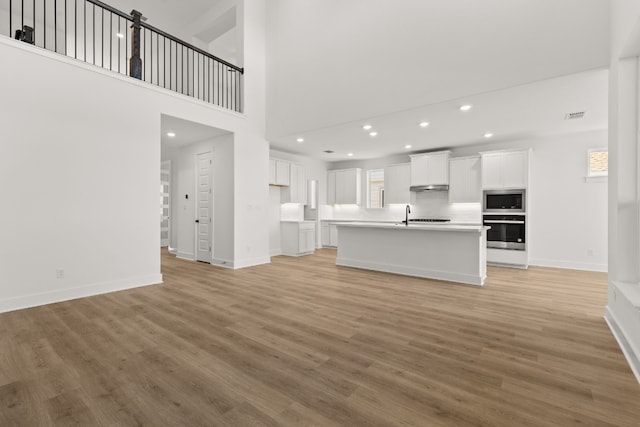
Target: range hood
[[432, 187]]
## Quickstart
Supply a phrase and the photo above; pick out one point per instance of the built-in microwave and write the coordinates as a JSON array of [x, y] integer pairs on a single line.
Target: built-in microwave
[[503, 201]]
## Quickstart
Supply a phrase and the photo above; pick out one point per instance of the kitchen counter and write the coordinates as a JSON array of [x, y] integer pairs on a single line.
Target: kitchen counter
[[416, 226], [451, 252]]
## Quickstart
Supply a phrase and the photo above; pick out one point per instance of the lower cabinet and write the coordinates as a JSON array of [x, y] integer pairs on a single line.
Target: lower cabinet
[[329, 234], [298, 238]]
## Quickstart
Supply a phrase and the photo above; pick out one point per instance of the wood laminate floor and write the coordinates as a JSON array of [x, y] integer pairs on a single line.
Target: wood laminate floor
[[303, 342]]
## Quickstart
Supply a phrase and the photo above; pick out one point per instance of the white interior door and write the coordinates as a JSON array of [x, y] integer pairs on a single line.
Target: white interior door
[[165, 204], [204, 222]]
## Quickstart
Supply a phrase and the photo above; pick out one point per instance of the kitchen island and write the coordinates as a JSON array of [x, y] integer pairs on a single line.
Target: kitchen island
[[455, 253]]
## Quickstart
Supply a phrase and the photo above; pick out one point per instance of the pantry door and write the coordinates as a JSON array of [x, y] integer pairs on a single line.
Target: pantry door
[[204, 208]]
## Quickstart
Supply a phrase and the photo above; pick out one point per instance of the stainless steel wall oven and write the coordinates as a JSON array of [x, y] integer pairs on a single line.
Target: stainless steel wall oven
[[506, 232]]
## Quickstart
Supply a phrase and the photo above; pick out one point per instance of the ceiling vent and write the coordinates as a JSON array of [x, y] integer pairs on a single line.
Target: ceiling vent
[[329, 151], [575, 115]]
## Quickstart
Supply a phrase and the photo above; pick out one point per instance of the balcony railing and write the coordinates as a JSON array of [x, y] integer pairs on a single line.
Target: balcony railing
[[96, 33]]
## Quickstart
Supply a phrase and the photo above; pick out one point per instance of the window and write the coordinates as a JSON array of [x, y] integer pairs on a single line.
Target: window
[[375, 188], [598, 162]]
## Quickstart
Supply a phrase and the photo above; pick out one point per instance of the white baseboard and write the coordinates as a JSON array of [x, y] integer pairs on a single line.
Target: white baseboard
[[222, 263], [240, 264], [251, 262], [189, 256], [34, 300], [569, 265], [275, 252], [632, 356], [173, 251], [412, 271]]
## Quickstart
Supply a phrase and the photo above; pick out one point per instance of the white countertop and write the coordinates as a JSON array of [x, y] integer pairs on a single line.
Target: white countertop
[[416, 227], [364, 221]]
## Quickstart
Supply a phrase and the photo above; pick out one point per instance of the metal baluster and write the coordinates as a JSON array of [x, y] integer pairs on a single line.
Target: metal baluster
[[84, 31], [158, 59], [119, 19], [44, 22], [102, 38], [111, 41], [65, 28], [75, 35], [94, 33], [55, 24]]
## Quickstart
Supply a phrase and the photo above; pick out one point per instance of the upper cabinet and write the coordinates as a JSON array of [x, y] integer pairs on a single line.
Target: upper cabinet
[[296, 192], [505, 169], [279, 171], [430, 168], [291, 177], [397, 180], [343, 187], [464, 180]]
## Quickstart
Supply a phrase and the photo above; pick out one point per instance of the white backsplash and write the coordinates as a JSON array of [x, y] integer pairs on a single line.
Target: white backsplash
[[291, 212], [428, 204]]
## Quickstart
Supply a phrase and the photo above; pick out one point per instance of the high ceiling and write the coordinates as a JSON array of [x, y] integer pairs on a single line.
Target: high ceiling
[[334, 65]]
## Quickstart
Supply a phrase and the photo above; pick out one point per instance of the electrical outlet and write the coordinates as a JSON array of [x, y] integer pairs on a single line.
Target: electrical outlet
[[60, 273]]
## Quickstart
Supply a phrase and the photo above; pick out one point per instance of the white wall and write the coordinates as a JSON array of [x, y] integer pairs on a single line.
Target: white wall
[[567, 215], [80, 165], [275, 241], [623, 308]]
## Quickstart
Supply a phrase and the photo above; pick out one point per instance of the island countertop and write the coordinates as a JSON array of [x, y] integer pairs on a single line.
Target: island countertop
[[417, 227]]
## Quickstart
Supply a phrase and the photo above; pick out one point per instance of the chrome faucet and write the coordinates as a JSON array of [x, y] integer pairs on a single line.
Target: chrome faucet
[[407, 211]]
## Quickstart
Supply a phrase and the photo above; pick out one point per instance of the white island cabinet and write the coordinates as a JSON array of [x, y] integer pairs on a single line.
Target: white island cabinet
[[455, 253]]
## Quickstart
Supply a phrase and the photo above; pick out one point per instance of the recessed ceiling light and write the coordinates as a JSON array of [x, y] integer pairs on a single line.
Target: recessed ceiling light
[[171, 134], [465, 107], [120, 35], [300, 139], [424, 124], [374, 133], [350, 154], [366, 127], [488, 135], [408, 146]]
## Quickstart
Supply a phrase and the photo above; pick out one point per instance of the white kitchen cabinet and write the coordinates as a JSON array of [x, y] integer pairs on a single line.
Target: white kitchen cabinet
[[331, 187], [279, 171], [296, 192], [464, 180], [329, 235], [430, 168], [397, 180], [344, 187], [298, 238], [505, 169]]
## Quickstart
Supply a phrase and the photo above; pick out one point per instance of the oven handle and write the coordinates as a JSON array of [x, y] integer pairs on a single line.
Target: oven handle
[[488, 221]]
